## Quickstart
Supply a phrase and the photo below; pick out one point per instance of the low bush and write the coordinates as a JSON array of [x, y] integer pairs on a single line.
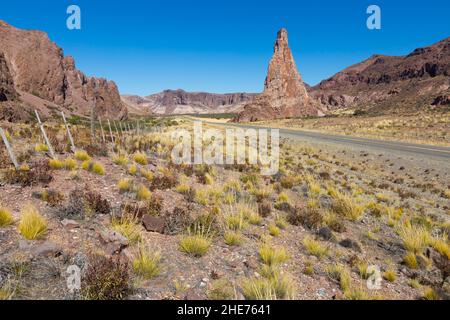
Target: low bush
[[106, 279]]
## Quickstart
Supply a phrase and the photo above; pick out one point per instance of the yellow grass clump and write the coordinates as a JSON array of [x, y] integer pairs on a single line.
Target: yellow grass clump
[[314, 247], [128, 227], [124, 185], [56, 164], [41, 147], [70, 164], [143, 193], [32, 225], [147, 263], [272, 255], [415, 238], [6, 217], [140, 158], [82, 155]]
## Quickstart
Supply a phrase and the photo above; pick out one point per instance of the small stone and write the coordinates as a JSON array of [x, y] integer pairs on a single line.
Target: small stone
[[70, 224], [112, 236], [351, 244], [326, 233], [47, 248], [153, 224]]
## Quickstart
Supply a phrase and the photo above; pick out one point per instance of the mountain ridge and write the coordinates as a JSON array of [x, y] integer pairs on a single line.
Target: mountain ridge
[[47, 80]]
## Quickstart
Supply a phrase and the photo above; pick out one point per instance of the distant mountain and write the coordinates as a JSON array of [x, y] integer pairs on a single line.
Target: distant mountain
[[386, 84], [35, 74], [182, 102]]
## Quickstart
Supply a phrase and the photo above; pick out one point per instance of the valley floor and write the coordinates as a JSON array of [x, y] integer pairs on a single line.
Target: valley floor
[[427, 128], [317, 230]]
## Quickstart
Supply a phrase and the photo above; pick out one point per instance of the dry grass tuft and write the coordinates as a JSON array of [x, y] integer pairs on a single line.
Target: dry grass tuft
[[32, 225], [6, 217]]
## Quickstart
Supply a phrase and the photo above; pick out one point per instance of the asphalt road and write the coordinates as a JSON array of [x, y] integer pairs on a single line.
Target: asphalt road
[[399, 148]]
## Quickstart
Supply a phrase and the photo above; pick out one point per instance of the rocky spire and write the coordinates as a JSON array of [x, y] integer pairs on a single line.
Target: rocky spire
[[284, 93]]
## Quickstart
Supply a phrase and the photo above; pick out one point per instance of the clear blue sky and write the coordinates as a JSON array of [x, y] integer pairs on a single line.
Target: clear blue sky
[[225, 45]]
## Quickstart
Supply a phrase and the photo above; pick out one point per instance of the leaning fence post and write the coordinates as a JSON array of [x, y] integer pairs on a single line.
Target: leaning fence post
[[121, 130], [68, 132], [41, 125], [10, 150], [110, 131], [117, 130], [101, 127]]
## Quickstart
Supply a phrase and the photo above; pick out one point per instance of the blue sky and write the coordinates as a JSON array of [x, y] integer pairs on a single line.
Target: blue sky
[[224, 45]]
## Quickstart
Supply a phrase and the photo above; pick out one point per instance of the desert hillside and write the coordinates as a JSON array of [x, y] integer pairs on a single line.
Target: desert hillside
[[35, 74], [386, 84]]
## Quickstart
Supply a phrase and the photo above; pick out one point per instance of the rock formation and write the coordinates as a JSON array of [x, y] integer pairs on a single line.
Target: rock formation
[[182, 102], [285, 94], [44, 77], [386, 84], [7, 90]]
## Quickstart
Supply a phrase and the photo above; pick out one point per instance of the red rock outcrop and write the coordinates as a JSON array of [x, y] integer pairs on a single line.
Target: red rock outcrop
[[39, 68], [386, 84], [7, 90], [285, 95]]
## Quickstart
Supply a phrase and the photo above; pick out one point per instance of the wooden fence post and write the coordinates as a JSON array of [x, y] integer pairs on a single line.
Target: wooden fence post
[[72, 144], [110, 131], [117, 130], [101, 127], [121, 129], [10, 150], [41, 125]]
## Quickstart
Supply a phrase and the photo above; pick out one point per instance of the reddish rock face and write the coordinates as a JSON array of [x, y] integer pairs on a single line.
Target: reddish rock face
[[39, 69], [386, 84], [7, 90], [284, 93]]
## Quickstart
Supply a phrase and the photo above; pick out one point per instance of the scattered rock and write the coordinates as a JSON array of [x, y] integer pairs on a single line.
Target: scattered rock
[[46, 248], [351, 244], [70, 224], [113, 241], [153, 224], [325, 233]]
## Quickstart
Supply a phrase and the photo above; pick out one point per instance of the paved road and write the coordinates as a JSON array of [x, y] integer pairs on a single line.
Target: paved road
[[422, 150]]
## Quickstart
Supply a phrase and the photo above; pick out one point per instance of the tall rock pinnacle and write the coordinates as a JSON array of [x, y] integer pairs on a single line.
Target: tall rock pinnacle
[[284, 95]]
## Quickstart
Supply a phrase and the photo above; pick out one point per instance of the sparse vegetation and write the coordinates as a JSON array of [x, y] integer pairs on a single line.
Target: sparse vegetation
[[314, 247], [198, 240], [140, 158], [335, 211], [106, 279], [128, 227], [272, 255], [6, 217], [147, 263], [32, 225], [221, 289], [233, 238], [56, 164], [82, 155]]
